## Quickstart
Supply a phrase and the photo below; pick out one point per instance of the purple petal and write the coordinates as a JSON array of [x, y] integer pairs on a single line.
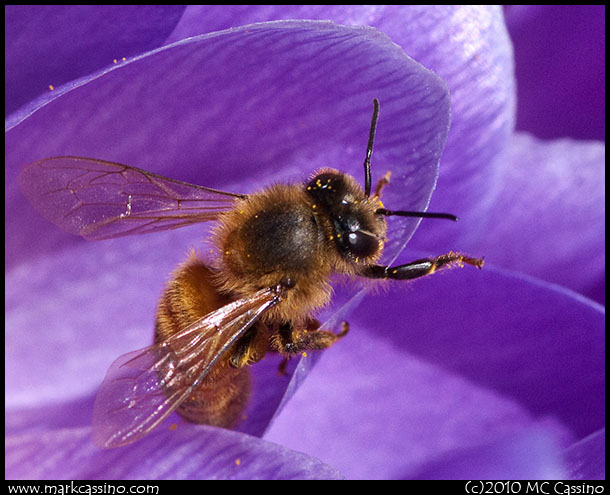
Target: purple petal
[[460, 360], [556, 206], [186, 452], [467, 46], [545, 210], [548, 214]]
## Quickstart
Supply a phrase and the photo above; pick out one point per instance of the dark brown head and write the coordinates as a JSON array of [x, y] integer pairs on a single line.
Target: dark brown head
[[356, 230], [356, 219]]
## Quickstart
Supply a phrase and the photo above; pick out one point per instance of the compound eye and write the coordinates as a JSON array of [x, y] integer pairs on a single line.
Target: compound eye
[[361, 244]]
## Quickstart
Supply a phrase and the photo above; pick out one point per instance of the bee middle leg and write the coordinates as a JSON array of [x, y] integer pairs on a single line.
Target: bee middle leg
[[290, 340], [251, 347]]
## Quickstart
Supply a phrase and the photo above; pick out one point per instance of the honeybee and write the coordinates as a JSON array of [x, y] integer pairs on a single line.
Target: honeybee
[[277, 250]]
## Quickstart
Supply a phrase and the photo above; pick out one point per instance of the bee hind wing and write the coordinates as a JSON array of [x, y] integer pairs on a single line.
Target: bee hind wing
[[142, 388]]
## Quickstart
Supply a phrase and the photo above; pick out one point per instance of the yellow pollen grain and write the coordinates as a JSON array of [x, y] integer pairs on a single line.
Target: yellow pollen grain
[[394, 272], [338, 236], [304, 354], [173, 426], [309, 188], [237, 462], [331, 237], [314, 206], [226, 252], [51, 87]]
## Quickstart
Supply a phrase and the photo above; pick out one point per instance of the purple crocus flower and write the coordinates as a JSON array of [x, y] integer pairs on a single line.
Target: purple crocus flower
[[496, 373]]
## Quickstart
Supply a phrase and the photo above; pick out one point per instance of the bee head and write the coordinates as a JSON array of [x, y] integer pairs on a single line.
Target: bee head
[[357, 219], [357, 231]]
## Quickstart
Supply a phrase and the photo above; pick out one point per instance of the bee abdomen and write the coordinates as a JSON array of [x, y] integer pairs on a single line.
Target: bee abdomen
[[225, 390], [220, 399]]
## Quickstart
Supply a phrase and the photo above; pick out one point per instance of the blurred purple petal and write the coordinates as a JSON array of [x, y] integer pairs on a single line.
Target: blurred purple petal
[[456, 361], [196, 452], [53, 44], [531, 454], [543, 216], [560, 68], [548, 217], [586, 459]]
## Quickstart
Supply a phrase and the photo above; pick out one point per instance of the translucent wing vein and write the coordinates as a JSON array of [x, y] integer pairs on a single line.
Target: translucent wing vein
[[99, 200]]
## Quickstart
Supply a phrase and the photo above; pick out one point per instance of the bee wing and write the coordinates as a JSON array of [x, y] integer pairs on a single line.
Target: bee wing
[[100, 200], [143, 387]]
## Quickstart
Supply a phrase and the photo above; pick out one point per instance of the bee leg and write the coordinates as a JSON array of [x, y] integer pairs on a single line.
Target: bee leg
[[419, 268], [295, 341], [312, 325], [281, 369], [251, 347], [381, 183]]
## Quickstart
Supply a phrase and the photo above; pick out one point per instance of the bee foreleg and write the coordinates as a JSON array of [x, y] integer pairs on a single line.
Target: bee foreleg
[[419, 268], [381, 183]]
